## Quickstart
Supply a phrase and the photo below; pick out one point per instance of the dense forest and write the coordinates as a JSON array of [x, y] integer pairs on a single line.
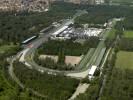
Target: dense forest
[[101, 14], [119, 85], [9, 90], [56, 87], [53, 47], [19, 26]]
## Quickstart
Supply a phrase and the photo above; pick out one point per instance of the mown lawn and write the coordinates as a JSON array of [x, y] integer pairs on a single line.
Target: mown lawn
[[124, 60], [128, 34]]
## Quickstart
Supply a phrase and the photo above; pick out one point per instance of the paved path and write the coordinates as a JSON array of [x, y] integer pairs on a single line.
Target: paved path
[[13, 76]]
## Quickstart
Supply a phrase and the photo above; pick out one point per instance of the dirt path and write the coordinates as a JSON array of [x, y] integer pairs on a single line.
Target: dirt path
[[80, 89]]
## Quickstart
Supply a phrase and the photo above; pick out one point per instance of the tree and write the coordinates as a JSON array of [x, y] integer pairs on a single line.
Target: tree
[[61, 56]]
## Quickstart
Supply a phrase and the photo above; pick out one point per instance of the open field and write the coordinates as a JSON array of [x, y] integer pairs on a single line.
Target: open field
[[128, 34], [6, 48], [124, 60], [73, 60]]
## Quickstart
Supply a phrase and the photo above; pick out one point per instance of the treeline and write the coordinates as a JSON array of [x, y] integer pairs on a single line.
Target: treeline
[[51, 64], [128, 22], [122, 2], [69, 47], [126, 44], [101, 14], [53, 87], [116, 34]]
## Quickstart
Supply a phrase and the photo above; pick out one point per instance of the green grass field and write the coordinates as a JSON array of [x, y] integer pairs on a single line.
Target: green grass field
[[6, 48], [122, 1], [128, 34], [124, 60]]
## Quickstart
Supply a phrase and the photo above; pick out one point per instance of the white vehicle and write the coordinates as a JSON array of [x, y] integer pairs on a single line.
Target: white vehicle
[[91, 72]]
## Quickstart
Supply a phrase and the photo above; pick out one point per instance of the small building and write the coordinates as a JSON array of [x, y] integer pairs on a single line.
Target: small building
[[60, 30]]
